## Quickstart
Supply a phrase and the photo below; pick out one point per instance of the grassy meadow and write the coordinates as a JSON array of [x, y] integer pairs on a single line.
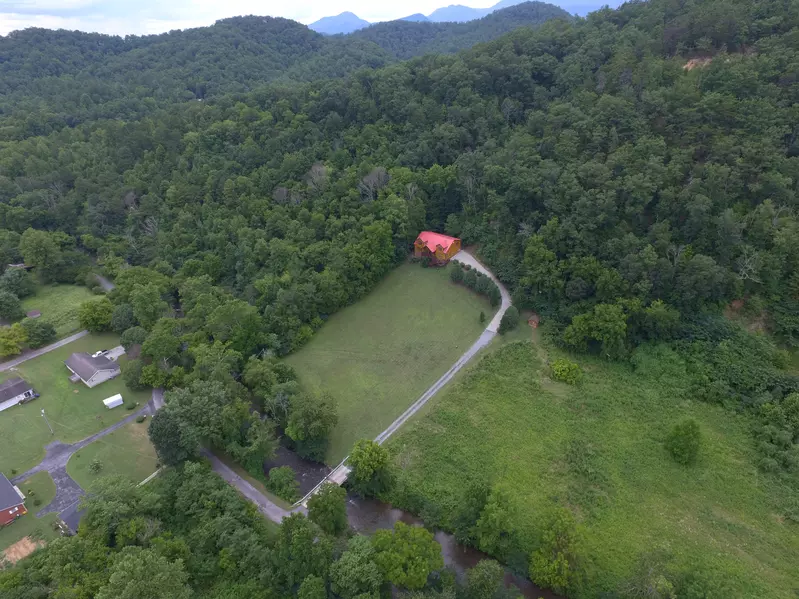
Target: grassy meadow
[[74, 410], [125, 452], [597, 448], [59, 305], [376, 357]]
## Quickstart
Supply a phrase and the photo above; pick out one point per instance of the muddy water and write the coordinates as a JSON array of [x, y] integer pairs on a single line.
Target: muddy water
[[367, 515]]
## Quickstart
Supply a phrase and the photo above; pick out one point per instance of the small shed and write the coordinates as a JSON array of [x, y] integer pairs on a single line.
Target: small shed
[[113, 401], [34, 314]]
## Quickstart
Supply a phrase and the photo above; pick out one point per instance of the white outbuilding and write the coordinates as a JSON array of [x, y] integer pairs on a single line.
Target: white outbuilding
[[113, 401]]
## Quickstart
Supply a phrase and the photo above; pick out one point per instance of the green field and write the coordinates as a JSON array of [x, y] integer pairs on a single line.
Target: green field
[[126, 452], [598, 449], [378, 356], [74, 410], [59, 305], [39, 487]]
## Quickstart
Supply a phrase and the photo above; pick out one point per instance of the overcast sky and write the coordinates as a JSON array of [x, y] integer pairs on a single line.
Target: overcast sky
[[156, 16]]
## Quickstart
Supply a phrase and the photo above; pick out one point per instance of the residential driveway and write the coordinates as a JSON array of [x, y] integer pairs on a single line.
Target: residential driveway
[[68, 492], [466, 258], [35, 353], [339, 475]]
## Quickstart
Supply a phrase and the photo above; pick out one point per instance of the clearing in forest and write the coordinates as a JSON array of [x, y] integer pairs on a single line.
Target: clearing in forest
[[598, 449], [379, 355], [59, 305]]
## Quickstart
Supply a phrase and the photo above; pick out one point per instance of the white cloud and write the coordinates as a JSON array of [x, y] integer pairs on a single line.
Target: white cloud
[[122, 17]]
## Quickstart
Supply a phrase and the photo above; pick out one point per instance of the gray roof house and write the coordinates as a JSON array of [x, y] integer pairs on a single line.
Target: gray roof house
[[91, 370], [13, 391]]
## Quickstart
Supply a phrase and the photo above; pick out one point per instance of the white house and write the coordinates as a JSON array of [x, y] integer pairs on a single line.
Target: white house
[[91, 370], [14, 391]]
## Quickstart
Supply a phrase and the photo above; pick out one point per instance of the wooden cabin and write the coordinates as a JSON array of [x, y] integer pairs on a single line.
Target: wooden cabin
[[439, 248]]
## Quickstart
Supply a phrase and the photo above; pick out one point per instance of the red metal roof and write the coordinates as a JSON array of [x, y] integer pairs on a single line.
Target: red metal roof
[[431, 240]]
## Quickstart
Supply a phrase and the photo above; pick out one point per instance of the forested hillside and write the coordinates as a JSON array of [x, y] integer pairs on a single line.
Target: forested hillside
[[628, 176], [51, 79], [406, 39]]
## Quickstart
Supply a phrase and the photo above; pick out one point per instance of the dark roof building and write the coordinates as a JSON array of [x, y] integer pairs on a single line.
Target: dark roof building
[[12, 502], [14, 387], [92, 370]]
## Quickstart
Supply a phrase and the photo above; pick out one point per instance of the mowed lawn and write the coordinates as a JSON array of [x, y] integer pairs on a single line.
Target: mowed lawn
[[59, 305], [74, 410], [40, 489], [125, 452], [379, 355], [597, 449]]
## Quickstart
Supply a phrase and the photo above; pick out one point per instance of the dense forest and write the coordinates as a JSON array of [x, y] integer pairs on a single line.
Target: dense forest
[[406, 39], [628, 176], [52, 79], [190, 535]]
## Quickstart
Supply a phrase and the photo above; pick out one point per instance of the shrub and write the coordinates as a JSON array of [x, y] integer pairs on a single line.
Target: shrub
[[141, 418], [683, 441], [482, 317], [426, 260], [133, 336], [510, 320], [123, 318], [18, 282], [456, 274], [13, 471], [470, 279], [566, 371], [494, 295], [95, 466], [283, 483], [10, 308], [37, 502], [131, 374], [131, 405], [39, 332]]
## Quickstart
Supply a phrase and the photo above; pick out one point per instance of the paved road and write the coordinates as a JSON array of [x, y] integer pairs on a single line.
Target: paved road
[[274, 512], [339, 474], [105, 283], [35, 353]]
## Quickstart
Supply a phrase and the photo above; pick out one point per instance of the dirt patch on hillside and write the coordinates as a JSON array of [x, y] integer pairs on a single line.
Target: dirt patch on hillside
[[697, 63], [21, 549]]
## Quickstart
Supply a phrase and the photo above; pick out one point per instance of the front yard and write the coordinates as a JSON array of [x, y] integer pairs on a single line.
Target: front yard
[[40, 489], [73, 410], [126, 452]]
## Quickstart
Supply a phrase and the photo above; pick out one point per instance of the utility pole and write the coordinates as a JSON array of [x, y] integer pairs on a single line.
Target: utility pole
[[48, 423]]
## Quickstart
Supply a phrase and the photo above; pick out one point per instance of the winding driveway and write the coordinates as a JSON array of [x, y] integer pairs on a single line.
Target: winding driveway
[[340, 473], [69, 492]]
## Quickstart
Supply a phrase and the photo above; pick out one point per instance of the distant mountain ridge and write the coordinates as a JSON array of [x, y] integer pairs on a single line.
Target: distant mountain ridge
[[406, 39], [348, 22]]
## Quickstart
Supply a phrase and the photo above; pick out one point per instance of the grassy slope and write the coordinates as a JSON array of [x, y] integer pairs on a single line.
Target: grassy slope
[[43, 489], [74, 410], [126, 452], [508, 423], [59, 305], [377, 356]]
